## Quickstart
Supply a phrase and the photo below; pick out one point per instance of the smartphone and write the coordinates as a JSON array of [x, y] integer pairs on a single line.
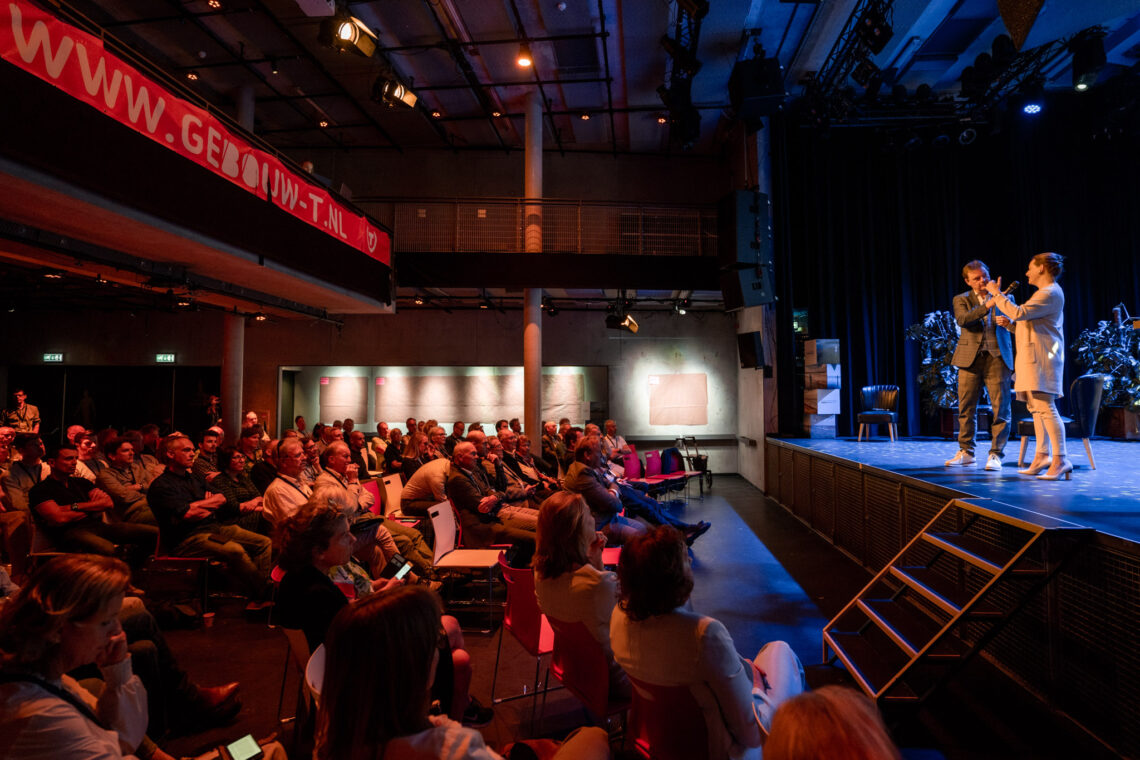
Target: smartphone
[[395, 565], [245, 748], [403, 571]]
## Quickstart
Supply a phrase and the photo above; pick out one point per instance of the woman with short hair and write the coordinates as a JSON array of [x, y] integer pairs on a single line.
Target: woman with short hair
[[243, 505], [829, 723]]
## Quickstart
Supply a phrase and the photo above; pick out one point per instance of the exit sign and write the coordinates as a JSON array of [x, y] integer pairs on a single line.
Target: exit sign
[[53, 358], [164, 358]]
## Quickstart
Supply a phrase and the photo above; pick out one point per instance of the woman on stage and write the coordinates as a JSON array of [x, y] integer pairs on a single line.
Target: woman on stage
[[1040, 362]]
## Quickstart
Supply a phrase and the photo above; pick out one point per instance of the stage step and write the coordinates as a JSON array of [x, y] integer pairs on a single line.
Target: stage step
[[938, 590], [899, 635]]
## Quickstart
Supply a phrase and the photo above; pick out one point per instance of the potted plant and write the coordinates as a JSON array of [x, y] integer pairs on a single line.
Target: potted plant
[[937, 336], [1113, 350]]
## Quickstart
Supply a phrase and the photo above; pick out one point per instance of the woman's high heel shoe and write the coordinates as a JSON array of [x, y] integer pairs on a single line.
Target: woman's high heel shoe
[[1036, 466], [1066, 470]]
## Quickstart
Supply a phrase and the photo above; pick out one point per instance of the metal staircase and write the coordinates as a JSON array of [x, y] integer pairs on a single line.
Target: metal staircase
[[945, 596]]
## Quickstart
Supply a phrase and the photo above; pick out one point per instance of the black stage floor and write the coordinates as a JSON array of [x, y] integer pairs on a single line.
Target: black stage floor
[[1106, 499]]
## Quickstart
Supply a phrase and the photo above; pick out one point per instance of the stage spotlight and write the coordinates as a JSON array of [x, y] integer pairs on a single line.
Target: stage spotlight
[[1088, 60], [418, 300], [260, 317], [874, 30], [524, 58], [485, 302], [389, 91], [584, 117], [1033, 94], [864, 73], [549, 307], [619, 322], [967, 136], [347, 34], [192, 75], [681, 306]]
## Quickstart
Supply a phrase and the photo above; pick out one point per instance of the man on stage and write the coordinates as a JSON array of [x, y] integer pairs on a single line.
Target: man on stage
[[984, 356]]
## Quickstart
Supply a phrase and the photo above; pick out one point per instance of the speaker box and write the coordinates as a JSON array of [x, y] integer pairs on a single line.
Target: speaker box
[[756, 88], [744, 247]]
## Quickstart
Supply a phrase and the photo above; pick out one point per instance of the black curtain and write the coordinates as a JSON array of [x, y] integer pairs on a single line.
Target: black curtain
[[870, 236]]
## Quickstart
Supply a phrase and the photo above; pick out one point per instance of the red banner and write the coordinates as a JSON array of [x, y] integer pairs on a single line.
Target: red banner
[[76, 63]]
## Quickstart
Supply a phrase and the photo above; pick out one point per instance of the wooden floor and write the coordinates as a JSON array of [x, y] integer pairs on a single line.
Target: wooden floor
[[758, 570]]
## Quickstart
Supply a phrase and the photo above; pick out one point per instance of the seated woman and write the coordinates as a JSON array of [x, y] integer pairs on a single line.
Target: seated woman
[[374, 706], [416, 454], [658, 639], [569, 581], [830, 722], [393, 454], [243, 499], [316, 546]]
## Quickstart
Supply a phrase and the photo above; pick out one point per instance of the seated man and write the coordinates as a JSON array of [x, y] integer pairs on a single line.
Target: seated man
[[364, 459], [189, 528], [89, 464], [427, 486], [27, 471], [553, 450], [286, 493], [206, 463], [614, 447], [263, 472], [485, 513], [70, 510], [379, 442], [127, 481], [515, 472], [312, 466], [455, 437], [603, 499]]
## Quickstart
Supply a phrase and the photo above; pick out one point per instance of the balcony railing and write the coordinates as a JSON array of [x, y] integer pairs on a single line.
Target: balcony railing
[[498, 226]]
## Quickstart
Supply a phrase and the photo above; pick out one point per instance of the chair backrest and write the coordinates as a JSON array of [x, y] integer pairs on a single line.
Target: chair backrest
[[392, 489], [443, 522], [580, 663], [632, 465], [880, 397], [521, 616], [315, 674], [372, 487], [652, 463], [666, 723], [1084, 403], [298, 647], [671, 461]]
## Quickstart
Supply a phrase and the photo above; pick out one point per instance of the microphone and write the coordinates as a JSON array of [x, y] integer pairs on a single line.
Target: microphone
[[1012, 286]]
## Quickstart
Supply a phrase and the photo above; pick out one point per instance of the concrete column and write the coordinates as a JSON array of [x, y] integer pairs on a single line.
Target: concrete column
[[532, 297], [233, 363], [245, 103]]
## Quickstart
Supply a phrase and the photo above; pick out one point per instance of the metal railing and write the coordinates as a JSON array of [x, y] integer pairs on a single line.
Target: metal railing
[[499, 226]]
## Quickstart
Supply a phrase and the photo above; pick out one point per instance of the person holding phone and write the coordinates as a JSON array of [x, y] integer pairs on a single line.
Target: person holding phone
[[376, 706]]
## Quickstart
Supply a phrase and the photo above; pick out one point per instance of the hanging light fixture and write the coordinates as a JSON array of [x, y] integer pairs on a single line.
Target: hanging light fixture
[[348, 34], [524, 58]]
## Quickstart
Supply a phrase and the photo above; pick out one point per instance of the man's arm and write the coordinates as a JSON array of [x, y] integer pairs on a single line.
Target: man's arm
[[965, 315], [121, 493], [204, 507], [61, 514]]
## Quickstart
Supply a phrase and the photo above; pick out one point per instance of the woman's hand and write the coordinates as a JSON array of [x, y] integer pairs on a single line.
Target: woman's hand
[[115, 651], [993, 287], [594, 553], [380, 585]]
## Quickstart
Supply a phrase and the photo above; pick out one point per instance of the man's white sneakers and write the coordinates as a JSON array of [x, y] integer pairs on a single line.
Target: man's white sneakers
[[962, 459], [993, 463]]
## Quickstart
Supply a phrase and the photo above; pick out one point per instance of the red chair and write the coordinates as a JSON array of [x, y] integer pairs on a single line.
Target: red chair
[[633, 473], [666, 723], [372, 487], [580, 663], [672, 463], [655, 475], [525, 621]]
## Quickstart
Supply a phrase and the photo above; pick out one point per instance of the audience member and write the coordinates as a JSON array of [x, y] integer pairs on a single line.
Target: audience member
[[455, 437], [206, 462], [243, 505], [27, 471], [70, 510], [553, 449], [393, 455], [88, 465], [437, 438], [603, 499], [127, 481], [515, 425], [299, 425], [312, 466], [364, 459], [569, 580], [262, 473], [22, 417], [189, 525], [427, 486], [249, 443], [417, 452], [485, 514], [379, 443], [286, 492], [657, 638], [250, 421], [348, 426], [355, 503], [614, 447], [829, 723]]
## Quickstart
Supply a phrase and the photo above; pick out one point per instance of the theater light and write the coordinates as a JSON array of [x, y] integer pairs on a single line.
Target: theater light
[[524, 58], [347, 34]]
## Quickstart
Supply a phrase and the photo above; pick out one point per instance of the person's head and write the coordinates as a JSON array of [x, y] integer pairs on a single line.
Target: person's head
[[654, 573], [976, 274], [478, 439], [230, 460], [327, 433], [457, 429], [66, 615], [429, 424], [290, 457], [318, 429], [7, 435], [438, 437], [611, 428], [494, 445], [62, 458], [571, 437], [336, 434], [338, 424], [549, 428], [588, 451], [565, 530], [20, 397], [416, 445], [829, 722], [74, 431], [348, 426], [524, 445], [309, 446], [250, 419], [509, 439], [354, 721], [177, 452], [249, 441], [563, 426], [336, 457], [395, 436], [299, 422], [120, 452], [500, 424], [410, 424], [271, 451], [30, 446], [592, 429], [85, 444], [515, 425], [150, 435], [1045, 268], [464, 455], [356, 440], [209, 441], [316, 534]]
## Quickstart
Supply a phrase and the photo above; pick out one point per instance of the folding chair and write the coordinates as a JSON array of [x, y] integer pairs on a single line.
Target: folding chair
[[580, 663], [666, 723], [525, 621], [448, 557]]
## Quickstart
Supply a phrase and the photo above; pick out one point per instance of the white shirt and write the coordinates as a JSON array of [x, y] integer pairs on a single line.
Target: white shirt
[[586, 596], [284, 497], [445, 740]]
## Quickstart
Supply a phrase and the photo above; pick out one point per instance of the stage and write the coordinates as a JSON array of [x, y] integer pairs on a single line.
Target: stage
[[1106, 499]]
